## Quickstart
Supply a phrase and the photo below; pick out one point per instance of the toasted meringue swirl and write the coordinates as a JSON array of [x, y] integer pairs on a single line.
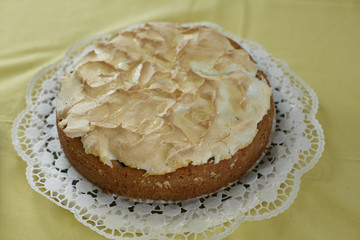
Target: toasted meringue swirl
[[162, 96]]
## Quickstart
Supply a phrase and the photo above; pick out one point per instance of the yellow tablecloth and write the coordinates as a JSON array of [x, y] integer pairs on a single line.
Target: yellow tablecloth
[[318, 39]]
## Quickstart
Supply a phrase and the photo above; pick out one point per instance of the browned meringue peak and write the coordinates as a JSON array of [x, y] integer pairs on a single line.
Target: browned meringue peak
[[161, 96]]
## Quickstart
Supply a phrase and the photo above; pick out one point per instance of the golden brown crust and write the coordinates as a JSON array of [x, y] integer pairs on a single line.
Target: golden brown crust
[[184, 183]]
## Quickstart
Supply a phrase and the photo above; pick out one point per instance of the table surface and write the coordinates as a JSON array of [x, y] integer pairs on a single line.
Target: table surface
[[318, 39]]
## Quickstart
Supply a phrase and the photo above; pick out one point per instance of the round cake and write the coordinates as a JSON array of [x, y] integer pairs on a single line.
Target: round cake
[[164, 111]]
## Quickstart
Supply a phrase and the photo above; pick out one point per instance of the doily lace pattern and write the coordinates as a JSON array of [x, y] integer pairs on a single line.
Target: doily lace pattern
[[268, 189]]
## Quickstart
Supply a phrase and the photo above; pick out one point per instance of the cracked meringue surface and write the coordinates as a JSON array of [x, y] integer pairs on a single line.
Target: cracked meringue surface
[[162, 96]]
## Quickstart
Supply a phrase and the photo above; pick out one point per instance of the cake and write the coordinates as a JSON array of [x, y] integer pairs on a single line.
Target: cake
[[164, 111]]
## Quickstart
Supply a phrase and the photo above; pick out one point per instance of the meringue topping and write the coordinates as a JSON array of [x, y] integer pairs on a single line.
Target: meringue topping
[[162, 96]]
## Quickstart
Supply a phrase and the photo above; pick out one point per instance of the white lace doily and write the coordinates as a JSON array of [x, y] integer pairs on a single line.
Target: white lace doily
[[267, 190]]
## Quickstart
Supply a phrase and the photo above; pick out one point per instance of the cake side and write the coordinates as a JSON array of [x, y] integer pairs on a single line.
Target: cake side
[[187, 182]]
